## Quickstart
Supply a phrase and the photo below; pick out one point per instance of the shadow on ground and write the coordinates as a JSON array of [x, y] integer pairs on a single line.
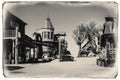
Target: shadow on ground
[[35, 62], [14, 67]]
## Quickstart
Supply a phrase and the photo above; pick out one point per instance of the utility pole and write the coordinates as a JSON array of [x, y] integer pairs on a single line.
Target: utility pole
[[59, 46]]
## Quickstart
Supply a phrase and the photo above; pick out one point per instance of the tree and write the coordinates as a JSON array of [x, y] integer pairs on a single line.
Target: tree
[[80, 34], [92, 31], [86, 31]]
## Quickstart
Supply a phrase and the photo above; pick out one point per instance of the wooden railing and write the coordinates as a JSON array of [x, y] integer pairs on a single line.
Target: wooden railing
[[9, 33]]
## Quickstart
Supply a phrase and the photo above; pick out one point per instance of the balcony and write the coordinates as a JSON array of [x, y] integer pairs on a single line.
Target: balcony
[[9, 34]]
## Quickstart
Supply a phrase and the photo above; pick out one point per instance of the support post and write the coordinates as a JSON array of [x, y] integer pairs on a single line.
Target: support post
[[34, 54], [16, 47], [13, 51], [30, 54]]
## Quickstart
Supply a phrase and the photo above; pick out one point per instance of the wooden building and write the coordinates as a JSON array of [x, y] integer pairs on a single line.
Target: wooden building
[[15, 41]]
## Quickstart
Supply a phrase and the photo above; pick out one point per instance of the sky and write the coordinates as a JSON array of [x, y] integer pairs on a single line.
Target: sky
[[65, 16]]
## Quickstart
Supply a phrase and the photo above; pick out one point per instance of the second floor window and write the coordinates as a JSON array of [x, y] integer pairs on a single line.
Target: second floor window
[[51, 35], [48, 35], [45, 34]]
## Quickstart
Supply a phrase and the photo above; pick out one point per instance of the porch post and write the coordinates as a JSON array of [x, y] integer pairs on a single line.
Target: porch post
[[16, 47], [33, 54], [30, 54], [13, 52]]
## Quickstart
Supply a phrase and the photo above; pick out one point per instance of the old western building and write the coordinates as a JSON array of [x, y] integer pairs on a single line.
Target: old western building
[[47, 37], [47, 41], [20, 48], [15, 42]]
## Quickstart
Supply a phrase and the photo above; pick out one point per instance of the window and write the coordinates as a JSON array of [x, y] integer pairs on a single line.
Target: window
[[48, 35], [51, 35], [45, 34], [42, 34]]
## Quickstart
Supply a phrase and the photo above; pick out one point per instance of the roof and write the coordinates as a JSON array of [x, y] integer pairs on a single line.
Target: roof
[[87, 42], [48, 24], [27, 41], [15, 18]]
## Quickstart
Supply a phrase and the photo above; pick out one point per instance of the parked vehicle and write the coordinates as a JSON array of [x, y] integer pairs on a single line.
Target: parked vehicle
[[66, 56]]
